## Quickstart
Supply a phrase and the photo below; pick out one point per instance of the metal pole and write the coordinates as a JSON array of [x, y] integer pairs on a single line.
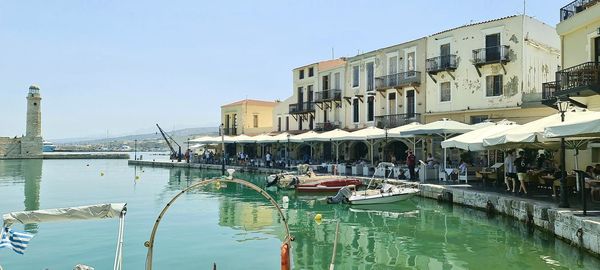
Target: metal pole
[[564, 201], [135, 150], [223, 150]]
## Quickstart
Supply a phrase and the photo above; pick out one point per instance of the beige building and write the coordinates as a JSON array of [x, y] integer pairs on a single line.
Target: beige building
[[491, 70], [30, 145], [579, 80], [248, 116]]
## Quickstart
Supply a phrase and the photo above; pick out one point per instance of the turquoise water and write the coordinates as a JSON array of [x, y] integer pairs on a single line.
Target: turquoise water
[[236, 228]]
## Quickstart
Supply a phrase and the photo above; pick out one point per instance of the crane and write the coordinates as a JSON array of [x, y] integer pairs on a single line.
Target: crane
[[174, 154]]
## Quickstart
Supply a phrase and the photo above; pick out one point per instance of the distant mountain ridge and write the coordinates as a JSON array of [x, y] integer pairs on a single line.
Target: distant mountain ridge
[[179, 135]]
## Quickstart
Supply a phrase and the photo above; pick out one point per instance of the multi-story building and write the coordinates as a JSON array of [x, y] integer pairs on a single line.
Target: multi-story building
[[248, 116], [490, 70], [385, 87], [579, 79]]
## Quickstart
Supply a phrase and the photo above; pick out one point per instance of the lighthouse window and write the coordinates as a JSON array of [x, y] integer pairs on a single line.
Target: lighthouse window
[[34, 104]]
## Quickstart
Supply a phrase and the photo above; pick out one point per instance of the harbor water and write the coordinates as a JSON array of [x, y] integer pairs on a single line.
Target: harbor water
[[236, 228]]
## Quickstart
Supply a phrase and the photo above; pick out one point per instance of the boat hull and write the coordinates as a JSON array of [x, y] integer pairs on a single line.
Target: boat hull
[[332, 185], [382, 198]]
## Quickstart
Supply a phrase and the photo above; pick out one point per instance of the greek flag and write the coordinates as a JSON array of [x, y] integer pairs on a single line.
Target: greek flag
[[17, 241]]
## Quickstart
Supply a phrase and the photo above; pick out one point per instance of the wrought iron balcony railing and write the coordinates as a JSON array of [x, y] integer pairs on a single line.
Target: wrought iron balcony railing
[[328, 95], [586, 75], [398, 80], [327, 126], [441, 63], [548, 90], [396, 120], [230, 131], [491, 55], [297, 108], [575, 7]]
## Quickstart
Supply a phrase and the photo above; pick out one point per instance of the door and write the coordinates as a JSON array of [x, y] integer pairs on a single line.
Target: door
[[391, 106], [492, 47], [370, 75], [325, 115], [445, 56], [597, 46], [392, 70], [300, 98], [309, 98], [410, 103]]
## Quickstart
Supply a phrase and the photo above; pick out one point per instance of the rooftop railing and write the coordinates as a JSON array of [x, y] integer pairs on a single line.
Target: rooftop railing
[[398, 80], [575, 7]]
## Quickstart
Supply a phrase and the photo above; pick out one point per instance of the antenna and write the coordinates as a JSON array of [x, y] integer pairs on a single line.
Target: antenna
[[332, 53], [524, 6]]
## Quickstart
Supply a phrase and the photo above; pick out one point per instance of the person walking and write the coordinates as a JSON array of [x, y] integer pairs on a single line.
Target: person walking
[[268, 159], [521, 165], [410, 162], [510, 170]]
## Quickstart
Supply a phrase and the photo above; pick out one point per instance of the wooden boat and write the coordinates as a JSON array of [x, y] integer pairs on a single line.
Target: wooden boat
[[328, 184]]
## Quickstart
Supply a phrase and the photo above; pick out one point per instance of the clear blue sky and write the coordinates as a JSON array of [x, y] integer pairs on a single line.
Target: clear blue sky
[[123, 66]]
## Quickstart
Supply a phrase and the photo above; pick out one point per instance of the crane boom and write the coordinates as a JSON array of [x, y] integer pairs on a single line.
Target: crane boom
[[174, 154]]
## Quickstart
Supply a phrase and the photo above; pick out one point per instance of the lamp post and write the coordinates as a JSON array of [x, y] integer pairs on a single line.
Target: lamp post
[[134, 149], [287, 151], [222, 131], [563, 106]]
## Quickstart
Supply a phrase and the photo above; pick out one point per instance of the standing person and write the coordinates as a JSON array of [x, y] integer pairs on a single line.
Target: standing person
[[187, 156], [410, 162], [522, 164], [509, 168], [268, 159]]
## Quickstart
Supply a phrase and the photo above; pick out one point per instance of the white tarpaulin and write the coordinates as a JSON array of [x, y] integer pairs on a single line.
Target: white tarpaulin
[[279, 138], [444, 126], [362, 134], [332, 135], [304, 137], [587, 125], [531, 132], [473, 140], [99, 211], [396, 132], [240, 139]]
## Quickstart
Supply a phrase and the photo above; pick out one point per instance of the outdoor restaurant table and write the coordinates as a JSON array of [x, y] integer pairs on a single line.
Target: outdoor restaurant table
[[485, 176]]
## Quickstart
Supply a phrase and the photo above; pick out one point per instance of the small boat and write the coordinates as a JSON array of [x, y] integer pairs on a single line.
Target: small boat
[[386, 194], [304, 176], [328, 185], [48, 147]]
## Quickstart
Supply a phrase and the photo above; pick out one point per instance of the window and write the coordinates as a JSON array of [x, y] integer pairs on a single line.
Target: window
[[393, 65], [325, 82], [493, 86], [355, 76], [410, 103], [287, 123], [336, 81], [278, 123], [255, 120], [355, 112], [596, 154], [311, 72], [301, 74], [309, 93], [370, 108], [475, 119], [370, 76], [492, 47], [445, 92]]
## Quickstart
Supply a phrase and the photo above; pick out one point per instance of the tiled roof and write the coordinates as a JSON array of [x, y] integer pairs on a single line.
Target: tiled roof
[[251, 102], [471, 24]]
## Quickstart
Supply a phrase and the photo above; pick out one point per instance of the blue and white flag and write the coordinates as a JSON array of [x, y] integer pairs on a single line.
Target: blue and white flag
[[17, 241]]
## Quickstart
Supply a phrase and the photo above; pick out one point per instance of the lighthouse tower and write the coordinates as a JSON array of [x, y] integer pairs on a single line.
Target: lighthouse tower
[[31, 144]]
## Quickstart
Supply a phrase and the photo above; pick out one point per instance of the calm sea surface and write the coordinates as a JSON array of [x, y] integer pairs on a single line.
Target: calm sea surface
[[236, 228]]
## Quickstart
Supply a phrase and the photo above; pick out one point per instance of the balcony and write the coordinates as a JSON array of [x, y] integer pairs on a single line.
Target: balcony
[[488, 55], [398, 80], [230, 131], [575, 7], [327, 126], [441, 63], [328, 95], [396, 120], [302, 108], [579, 81]]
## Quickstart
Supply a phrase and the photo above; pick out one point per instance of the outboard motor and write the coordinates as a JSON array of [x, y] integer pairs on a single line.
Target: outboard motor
[[294, 182], [341, 196], [272, 180]]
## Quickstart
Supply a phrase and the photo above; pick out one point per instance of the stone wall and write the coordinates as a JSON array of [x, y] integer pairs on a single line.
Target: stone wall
[[10, 147]]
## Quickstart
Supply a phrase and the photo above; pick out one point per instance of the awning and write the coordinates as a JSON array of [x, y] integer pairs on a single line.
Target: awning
[[444, 126], [304, 137], [395, 132], [99, 211], [473, 140], [587, 125], [362, 134]]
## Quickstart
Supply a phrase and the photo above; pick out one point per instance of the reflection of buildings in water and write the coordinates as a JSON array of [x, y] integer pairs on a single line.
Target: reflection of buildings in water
[[246, 215], [28, 172]]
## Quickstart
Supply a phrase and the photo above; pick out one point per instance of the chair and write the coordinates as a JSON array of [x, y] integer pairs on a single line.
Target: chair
[[463, 176]]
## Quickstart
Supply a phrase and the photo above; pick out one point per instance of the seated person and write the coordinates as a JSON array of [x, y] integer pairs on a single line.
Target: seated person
[[462, 167], [430, 161]]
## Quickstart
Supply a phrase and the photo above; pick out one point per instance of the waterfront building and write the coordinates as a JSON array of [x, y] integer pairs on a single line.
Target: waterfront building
[[579, 79], [491, 70], [248, 116], [29, 145]]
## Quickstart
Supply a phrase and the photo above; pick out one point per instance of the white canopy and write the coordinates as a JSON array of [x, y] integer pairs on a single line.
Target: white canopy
[[396, 132], [531, 132], [304, 137], [263, 138], [204, 139], [362, 134], [99, 211], [331, 135], [473, 140], [587, 125], [243, 138], [444, 126]]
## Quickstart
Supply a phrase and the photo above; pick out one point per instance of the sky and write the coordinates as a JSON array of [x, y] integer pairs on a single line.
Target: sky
[[119, 67]]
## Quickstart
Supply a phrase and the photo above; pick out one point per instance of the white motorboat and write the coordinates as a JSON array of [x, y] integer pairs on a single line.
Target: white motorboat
[[388, 193]]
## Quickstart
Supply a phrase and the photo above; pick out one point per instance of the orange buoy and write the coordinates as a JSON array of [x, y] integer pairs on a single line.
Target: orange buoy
[[285, 256]]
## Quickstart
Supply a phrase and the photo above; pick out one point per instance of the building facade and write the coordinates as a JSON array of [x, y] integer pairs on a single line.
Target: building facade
[[491, 70], [248, 116], [29, 145]]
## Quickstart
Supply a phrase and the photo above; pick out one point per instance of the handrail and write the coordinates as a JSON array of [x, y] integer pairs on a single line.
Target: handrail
[[150, 243], [570, 9], [439, 63], [398, 79], [491, 54]]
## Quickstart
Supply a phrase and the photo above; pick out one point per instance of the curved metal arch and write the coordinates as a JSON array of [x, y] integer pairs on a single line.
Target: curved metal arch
[[150, 243]]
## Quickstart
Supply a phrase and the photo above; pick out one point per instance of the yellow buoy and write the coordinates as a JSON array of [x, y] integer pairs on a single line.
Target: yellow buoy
[[137, 177], [318, 217], [218, 184], [101, 173]]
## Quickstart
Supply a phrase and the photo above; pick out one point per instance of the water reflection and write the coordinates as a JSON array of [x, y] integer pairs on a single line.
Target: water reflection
[[28, 172]]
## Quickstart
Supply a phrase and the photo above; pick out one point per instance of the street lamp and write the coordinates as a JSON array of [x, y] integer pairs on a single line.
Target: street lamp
[[563, 106], [134, 149], [221, 130], [287, 152]]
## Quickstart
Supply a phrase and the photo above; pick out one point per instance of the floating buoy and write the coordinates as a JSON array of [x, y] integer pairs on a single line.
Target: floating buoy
[[137, 177], [318, 218], [87, 165], [218, 184], [285, 199], [101, 173]]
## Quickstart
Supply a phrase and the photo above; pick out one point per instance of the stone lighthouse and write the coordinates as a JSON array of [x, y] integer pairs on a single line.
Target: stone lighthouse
[[31, 145]]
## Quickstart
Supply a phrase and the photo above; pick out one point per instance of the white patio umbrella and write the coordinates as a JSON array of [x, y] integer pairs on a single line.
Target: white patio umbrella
[[444, 128], [243, 138], [396, 133], [473, 140], [306, 137], [587, 125], [332, 136], [206, 139], [363, 135]]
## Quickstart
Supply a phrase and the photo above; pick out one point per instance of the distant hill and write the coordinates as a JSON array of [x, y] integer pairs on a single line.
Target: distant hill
[[180, 135]]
